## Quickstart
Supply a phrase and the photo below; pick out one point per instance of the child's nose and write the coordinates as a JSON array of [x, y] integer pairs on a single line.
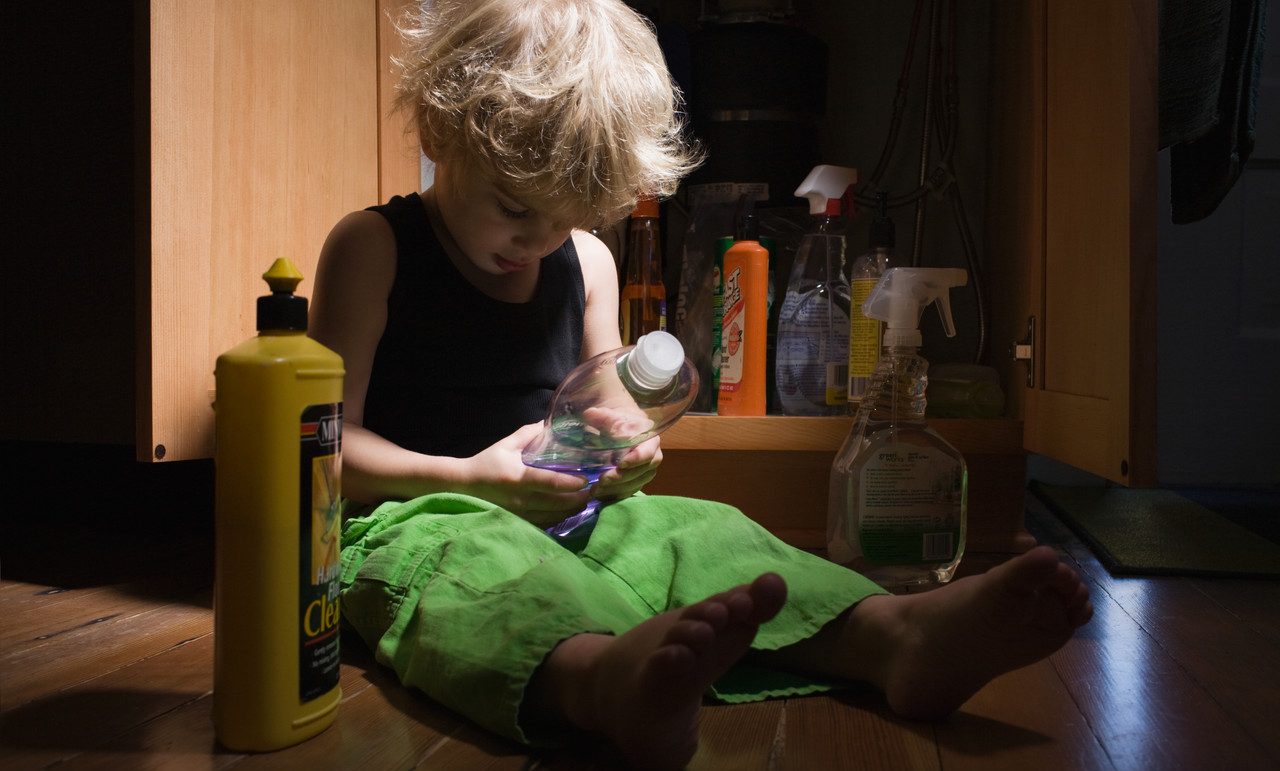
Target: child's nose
[[543, 236]]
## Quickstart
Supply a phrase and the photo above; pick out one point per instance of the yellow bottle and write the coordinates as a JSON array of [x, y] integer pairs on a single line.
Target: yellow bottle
[[278, 459]]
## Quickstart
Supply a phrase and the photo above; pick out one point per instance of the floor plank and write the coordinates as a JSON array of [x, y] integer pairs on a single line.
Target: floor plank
[[178, 740], [1022, 719], [853, 729], [93, 713], [94, 640], [1135, 672], [746, 736], [184, 736], [1255, 602]]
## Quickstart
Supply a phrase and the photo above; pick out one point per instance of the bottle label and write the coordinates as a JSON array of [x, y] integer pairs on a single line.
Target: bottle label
[[319, 567], [864, 333], [732, 332], [641, 309], [812, 351], [910, 506], [717, 319], [837, 384]]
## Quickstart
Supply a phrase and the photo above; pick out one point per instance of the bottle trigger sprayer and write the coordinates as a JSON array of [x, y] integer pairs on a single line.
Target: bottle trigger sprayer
[[901, 296], [826, 188], [898, 495]]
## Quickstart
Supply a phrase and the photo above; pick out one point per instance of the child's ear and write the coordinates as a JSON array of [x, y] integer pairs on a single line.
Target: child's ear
[[426, 149]]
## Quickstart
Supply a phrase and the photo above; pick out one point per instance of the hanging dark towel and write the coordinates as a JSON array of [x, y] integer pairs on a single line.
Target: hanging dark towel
[[1210, 65]]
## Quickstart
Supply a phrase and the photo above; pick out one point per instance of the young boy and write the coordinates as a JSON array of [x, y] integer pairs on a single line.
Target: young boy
[[458, 311]]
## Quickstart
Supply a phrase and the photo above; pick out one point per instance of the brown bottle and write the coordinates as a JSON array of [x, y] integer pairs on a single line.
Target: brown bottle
[[642, 305]]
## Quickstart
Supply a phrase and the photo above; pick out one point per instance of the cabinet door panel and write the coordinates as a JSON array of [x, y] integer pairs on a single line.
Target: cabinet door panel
[[1079, 178], [1095, 405], [264, 132]]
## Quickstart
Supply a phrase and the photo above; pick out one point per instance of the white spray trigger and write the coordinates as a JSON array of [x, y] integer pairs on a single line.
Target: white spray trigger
[[944, 306], [903, 293], [826, 182]]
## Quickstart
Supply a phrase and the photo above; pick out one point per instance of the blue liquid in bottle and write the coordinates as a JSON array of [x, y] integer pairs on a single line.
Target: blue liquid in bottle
[[577, 527]]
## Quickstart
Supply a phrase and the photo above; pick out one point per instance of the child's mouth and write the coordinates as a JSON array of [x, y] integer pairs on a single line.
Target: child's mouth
[[510, 266]]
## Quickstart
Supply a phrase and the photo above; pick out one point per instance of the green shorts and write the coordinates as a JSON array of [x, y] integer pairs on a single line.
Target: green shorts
[[464, 600]]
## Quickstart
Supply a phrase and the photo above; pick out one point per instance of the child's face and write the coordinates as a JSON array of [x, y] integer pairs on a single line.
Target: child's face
[[499, 234]]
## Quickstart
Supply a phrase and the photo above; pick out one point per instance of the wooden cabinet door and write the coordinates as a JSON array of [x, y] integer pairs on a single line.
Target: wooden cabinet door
[[1074, 143], [265, 127]]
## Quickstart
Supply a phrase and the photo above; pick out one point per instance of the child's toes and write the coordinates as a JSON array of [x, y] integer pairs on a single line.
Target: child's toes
[[714, 613], [694, 634]]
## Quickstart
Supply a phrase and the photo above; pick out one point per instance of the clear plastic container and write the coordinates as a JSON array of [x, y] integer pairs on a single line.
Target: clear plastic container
[[813, 326], [898, 505], [898, 497], [608, 405]]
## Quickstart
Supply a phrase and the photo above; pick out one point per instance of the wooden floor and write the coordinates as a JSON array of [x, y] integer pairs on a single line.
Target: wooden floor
[[106, 662]]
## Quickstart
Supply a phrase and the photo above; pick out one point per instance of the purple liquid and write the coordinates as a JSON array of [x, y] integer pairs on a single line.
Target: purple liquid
[[593, 473]]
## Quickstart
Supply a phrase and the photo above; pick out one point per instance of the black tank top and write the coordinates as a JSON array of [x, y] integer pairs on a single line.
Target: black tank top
[[457, 370]]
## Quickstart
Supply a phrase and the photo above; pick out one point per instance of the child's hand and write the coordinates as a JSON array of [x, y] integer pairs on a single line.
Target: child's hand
[[635, 470], [499, 475], [613, 423]]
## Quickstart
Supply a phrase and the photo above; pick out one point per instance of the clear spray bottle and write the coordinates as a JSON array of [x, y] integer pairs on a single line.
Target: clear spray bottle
[[898, 495], [813, 324]]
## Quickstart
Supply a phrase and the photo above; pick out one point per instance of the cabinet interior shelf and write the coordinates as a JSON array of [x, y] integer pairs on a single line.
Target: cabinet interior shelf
[[777, 433], [776, 469]]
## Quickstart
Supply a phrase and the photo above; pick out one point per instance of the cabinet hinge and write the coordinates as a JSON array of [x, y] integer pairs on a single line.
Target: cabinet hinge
[[1025, 350]]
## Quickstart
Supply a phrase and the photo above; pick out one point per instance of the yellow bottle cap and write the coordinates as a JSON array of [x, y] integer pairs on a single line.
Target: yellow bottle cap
[[283, 275]]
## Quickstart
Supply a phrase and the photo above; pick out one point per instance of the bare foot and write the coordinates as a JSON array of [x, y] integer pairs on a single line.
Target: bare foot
[[644, 689], [950, 642]]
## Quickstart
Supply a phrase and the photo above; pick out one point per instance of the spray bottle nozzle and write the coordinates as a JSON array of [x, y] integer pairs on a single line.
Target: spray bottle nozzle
[[901, 296], [825, 184]]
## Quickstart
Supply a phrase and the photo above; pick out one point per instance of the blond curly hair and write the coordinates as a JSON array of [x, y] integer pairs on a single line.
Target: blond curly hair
[[567, 104]]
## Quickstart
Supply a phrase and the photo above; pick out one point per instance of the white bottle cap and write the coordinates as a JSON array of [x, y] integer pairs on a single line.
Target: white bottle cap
[[656, 359]]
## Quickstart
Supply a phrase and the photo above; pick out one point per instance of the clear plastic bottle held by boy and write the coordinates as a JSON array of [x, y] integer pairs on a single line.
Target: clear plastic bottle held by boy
[[898, 496], [606, 406]]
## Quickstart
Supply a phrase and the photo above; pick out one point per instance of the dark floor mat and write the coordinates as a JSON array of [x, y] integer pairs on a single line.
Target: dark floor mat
[[1159, 532]]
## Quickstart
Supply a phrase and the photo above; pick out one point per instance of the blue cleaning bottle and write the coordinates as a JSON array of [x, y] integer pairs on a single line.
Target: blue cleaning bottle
[[606, 406], [811, 361]]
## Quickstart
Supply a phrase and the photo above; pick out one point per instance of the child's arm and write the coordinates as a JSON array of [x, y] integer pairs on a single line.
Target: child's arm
[[349, 314], [599, 334]]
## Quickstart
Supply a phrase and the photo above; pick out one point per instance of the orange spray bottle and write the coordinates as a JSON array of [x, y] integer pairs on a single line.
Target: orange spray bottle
[[744, 329]]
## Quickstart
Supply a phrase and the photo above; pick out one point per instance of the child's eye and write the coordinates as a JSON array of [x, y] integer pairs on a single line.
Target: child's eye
[[514, 214]]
